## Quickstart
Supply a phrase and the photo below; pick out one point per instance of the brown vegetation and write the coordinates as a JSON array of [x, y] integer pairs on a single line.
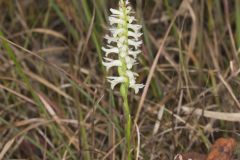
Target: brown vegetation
[[54, 97]]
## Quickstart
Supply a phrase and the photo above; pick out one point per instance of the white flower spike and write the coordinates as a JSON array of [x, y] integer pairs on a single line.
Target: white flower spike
[[124, 42]]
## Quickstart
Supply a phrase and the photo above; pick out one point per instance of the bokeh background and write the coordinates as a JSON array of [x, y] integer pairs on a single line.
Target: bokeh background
[[55, 102]]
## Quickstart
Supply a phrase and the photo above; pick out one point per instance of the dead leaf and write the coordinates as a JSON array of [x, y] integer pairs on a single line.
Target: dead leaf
[[223, 149]]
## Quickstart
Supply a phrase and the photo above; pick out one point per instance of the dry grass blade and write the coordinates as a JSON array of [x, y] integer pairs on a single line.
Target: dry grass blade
[[112, 149], [48, 84], [226, 6], [229, 90], [153, 67], [233, 117], [48, 32], [6, 148], [43, 31], [30, 121], [159, 117], [18, 94], [35, 55], [64, 129], [181, 9], [138, 142], [50, 57]]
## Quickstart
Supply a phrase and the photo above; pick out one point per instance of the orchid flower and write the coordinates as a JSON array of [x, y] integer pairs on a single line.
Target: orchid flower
[[123, 41]]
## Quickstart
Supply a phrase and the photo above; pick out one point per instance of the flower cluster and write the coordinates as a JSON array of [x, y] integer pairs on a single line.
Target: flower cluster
[[124, 42]]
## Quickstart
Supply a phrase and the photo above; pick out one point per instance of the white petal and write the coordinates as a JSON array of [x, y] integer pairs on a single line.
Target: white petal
[[136, 87], [134, 27], [115, 11], [128, 9], [131, 73], [116, 31], [130, 62], [122, 42], [131, 19], [110, 50], [132, 81], [114, 20], [136, 44], [131, 77], [134, 35], [121, 2], [110, 39], [134, 53], [115, 80], [123, 51], [111, 63]]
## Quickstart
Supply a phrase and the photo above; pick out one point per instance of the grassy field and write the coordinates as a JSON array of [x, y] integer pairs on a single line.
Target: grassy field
[[55, 101]]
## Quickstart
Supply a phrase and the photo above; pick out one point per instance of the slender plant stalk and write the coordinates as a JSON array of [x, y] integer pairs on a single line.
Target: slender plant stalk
[[124, 41], [238, 22], [124, 94], [83, 145], [128, 120], [83, 134]]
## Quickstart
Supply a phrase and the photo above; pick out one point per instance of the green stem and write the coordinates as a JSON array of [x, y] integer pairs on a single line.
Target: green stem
[[128, 121], [122, 70], [83, 138], [238, 22]]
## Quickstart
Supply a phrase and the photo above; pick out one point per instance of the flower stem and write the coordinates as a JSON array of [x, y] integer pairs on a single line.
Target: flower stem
[[128, 121]]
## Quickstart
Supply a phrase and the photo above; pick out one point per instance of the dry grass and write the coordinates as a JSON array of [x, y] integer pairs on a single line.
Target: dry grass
[[56, 104]]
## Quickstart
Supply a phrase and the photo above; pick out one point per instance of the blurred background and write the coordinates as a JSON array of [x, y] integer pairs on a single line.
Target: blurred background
[[55, 102]]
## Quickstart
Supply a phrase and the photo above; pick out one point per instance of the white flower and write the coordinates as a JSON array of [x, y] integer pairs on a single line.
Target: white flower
[[136, 87], [111, 63], [134, 35], [115, 80], [124, 42], [130, 62], [131, 19], [134, 27], [136, 44], [114, 20], [116, 31], [116, 12], [110, 50], [110, 39], [132, 80], [123, 52], [131, 76], [134, 53]]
